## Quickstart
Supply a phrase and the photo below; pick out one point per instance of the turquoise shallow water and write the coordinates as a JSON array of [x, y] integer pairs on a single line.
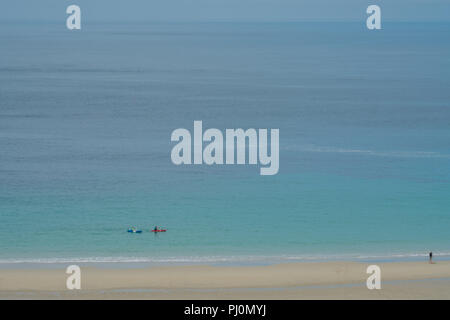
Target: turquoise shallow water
[[86, 118]]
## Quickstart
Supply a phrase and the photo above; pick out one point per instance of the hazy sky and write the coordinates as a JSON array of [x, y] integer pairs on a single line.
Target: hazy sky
[[238, 10]]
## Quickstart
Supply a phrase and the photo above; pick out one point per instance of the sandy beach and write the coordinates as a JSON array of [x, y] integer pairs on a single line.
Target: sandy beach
[[325, 280]]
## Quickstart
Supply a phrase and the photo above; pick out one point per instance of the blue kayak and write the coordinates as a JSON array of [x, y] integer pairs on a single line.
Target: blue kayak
[[134, 231]]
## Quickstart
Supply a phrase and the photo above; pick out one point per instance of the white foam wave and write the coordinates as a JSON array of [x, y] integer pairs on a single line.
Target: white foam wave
[[398, 154], [221, 259]]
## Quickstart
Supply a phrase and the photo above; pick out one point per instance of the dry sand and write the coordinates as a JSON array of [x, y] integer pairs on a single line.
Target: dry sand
[[325, 280]]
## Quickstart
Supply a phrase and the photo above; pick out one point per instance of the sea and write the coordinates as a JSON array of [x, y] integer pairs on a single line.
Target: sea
[[86, 118]]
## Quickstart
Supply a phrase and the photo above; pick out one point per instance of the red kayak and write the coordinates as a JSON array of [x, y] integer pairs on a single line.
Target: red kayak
[[162, 230]]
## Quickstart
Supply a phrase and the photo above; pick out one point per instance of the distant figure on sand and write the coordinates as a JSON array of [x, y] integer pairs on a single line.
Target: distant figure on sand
[[431, 257]]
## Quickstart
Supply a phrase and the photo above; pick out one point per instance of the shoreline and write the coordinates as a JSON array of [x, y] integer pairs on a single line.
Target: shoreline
[[306, 280], [220, 261]]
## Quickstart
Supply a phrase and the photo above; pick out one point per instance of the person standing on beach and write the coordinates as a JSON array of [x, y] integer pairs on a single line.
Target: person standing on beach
[[431, 257]]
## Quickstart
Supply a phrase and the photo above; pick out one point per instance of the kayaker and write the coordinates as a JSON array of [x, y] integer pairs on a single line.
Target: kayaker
[[156, 228]]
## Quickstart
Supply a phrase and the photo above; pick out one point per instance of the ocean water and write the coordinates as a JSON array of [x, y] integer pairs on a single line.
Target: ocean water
[[86, 119]]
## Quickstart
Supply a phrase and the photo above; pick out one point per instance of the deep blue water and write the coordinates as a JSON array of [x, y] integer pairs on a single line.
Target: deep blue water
[[86, 118]]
